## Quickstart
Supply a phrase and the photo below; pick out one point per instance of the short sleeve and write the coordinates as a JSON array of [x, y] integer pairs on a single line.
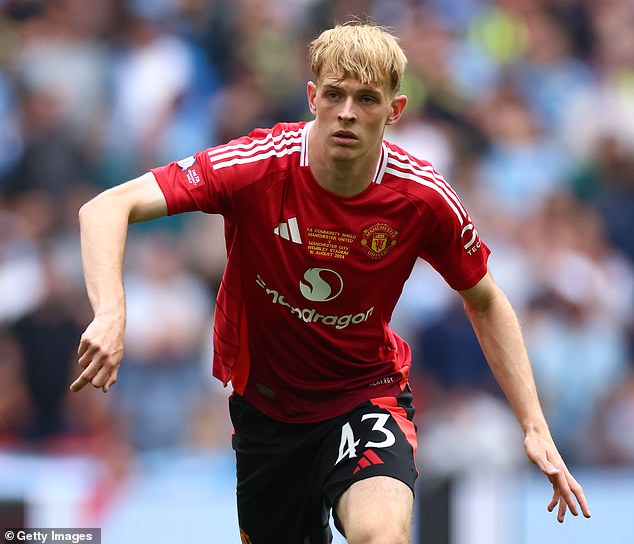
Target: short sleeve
[[190, 184], [453, 246], [209, 180]]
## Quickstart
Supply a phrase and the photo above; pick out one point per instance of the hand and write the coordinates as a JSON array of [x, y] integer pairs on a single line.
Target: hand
[[566, 489], [100, 352]]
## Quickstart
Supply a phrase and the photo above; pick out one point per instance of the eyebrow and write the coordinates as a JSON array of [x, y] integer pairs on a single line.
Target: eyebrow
[[362, 90]]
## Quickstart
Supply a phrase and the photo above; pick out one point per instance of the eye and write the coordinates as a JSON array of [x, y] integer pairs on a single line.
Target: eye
[[332, 95], [368, 99]]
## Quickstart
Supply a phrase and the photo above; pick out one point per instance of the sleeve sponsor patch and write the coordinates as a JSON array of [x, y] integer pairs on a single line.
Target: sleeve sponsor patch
[[187, 166], [187, 162]]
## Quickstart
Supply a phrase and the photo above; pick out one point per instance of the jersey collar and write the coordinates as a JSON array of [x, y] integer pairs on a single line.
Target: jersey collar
[[380, 167]]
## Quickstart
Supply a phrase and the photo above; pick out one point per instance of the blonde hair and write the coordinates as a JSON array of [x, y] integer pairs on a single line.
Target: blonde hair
[[362, 51]]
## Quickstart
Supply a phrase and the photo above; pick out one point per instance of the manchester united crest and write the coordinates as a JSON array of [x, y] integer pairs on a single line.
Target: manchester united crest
[[378, 240]]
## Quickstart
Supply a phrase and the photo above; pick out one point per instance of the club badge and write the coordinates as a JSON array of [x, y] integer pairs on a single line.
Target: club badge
[[378, 240]]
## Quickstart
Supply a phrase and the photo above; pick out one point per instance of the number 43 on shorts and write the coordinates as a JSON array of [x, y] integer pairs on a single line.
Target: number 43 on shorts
[[348, 444]]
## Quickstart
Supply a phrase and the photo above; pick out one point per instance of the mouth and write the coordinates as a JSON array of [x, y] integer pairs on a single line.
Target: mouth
[[345, 137]]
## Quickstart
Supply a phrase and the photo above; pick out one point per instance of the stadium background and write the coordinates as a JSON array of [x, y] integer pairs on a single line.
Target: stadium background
[[526, 106]]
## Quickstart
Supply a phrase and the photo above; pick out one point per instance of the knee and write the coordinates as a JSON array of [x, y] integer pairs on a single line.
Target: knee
[[371, 533]]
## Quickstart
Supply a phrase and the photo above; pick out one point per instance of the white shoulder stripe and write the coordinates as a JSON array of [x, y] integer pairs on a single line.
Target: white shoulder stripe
[[260, 141], [235, 153], [381, 166], [431, 185], [303, 161], [407, 160], [428, 173], [261, 156]]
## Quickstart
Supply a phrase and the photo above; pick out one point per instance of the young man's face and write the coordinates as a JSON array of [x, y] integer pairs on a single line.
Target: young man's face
[[351, 116]]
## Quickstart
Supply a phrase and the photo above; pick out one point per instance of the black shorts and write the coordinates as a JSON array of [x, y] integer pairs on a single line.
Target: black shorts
[[289, 475]]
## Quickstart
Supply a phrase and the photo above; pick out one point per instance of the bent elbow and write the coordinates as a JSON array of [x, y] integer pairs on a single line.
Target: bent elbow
[[104, 204], [85, 210]]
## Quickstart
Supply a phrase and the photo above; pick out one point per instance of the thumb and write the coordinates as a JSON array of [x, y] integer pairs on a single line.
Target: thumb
[[543, 463], [548, 468]]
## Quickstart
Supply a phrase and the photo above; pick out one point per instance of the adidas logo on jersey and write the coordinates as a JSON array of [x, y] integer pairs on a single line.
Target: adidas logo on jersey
[[289, 231]]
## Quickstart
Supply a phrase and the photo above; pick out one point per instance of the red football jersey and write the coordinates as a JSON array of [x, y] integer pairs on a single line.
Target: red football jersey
[[302, 316]]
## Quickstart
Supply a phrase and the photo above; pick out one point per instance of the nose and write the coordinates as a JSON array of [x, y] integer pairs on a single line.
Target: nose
[[347, 113]]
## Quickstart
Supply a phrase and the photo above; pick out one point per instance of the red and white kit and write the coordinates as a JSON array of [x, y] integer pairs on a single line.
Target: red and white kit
[[302, 317]]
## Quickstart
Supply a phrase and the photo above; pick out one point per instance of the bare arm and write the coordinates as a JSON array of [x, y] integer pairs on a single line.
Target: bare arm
[[104, 226], [498, 331]]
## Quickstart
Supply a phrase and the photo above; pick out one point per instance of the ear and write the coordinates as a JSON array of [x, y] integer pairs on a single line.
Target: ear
[[311, 91], [397, 109]]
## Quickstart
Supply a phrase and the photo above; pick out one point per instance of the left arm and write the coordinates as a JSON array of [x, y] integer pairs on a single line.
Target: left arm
[[498, 331]]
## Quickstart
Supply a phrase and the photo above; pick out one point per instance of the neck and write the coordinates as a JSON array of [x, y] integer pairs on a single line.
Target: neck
[[340, 176], [347, 179]]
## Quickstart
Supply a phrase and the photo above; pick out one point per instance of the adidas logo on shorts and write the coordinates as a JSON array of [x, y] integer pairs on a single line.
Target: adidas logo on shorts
[[368, 458]]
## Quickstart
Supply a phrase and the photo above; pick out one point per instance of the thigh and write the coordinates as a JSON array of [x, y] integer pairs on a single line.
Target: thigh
[[278, 501], [377, 509]]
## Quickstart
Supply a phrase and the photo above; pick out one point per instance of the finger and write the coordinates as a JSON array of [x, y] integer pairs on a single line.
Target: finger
[[563, 479], [87, 376], [85, 360], [561, 514], [559, 479], [553, 502], [83, 346], [577, 490], [106, 377], [101, 378], [111, 381], [570, 501], [89, 373], [88, 356], [560, 487], [79, 384], [108, 385]]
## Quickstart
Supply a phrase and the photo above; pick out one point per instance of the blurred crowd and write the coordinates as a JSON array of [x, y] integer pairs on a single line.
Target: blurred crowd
[[526, 106]]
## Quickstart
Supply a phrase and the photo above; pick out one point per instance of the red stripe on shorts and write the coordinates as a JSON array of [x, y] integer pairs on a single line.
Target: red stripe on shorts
[[400, 416]]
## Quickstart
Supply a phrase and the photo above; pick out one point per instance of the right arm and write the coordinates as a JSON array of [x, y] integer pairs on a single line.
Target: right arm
[[104, 224]]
